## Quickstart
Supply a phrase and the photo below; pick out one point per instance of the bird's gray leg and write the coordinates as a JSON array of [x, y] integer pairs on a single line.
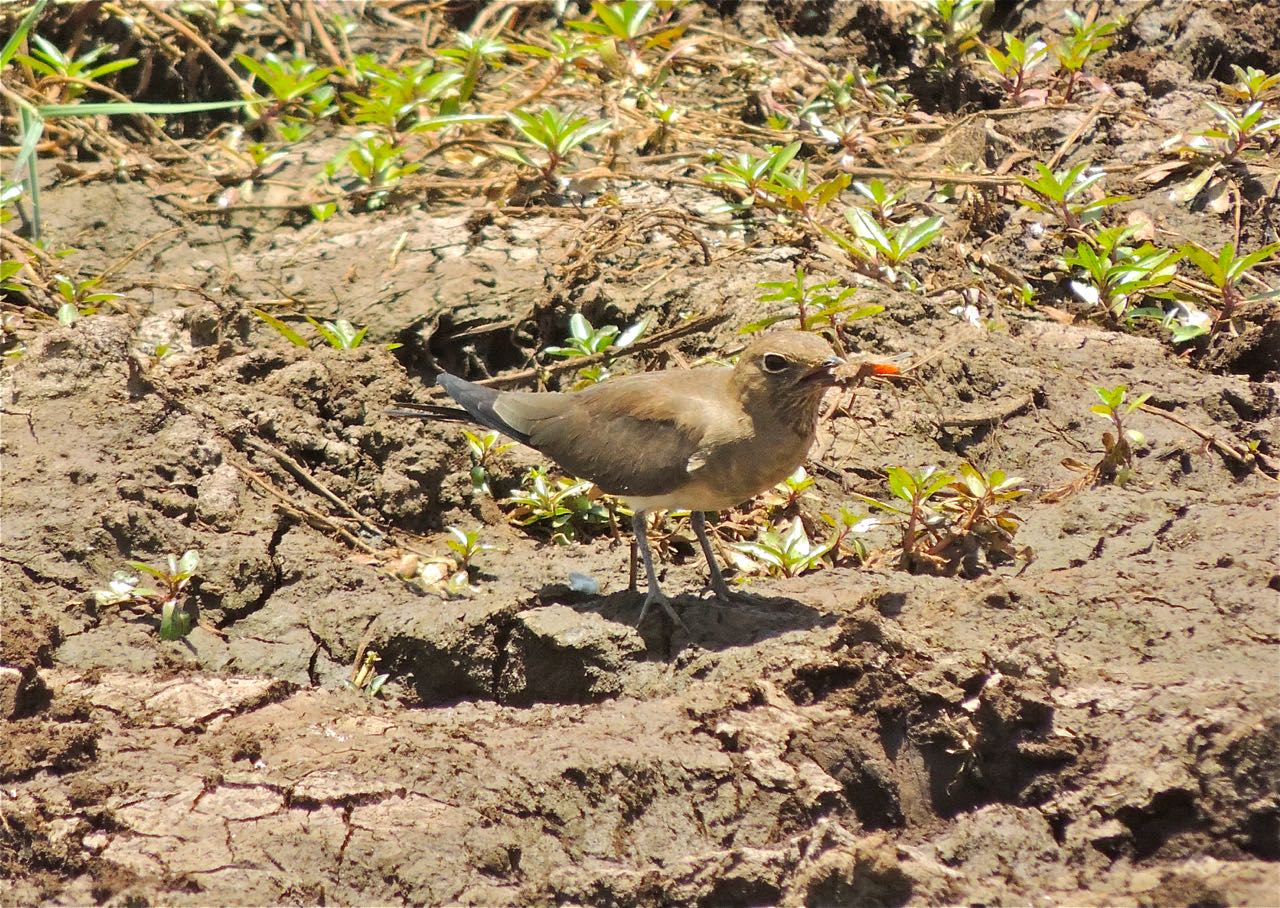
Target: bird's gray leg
[[699, 521], [651, 575]]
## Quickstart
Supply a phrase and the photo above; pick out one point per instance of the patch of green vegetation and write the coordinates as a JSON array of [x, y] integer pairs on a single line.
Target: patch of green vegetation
[[562, 507], [176, 621], [1066, 194], [587, 340]]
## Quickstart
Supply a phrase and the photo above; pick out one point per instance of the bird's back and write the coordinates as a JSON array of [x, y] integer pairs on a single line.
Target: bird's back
[[634, 435]]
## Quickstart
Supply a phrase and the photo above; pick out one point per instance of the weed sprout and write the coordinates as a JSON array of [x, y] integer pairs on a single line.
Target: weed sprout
[[175, 620]]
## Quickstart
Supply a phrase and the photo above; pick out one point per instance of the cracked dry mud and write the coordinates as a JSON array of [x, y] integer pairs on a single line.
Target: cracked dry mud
[[1097, 726]]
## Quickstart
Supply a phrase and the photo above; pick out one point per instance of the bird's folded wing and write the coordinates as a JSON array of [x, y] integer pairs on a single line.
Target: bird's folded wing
[[640, 435]]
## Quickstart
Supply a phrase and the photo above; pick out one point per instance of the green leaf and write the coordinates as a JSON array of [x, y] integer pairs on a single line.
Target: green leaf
[[175, 621], [866, 228], [1203, 260], [32, 130], [1180, 334], [115, 108], [632, 334], [114, 66], [782, 158], [15, 40], [761, 324], [919, 234], [1241, 265], [899, 480], [284, 329], [188, 563], [1137, 402], [145, 568], [936, 482]]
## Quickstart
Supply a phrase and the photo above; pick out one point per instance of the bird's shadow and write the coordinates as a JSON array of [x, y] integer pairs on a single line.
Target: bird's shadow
[[710, 624]]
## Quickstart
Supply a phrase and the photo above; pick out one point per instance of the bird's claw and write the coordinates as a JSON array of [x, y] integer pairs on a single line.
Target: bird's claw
[[661, 599]]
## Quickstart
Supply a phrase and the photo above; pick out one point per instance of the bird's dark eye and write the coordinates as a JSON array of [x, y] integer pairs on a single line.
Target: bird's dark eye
[[775, 362]]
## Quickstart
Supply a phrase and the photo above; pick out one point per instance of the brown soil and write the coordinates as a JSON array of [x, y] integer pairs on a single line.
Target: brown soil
[[1097, 725]]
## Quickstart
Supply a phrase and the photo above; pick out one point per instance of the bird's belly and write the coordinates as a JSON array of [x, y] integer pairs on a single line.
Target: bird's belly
[[691, 497], [728, 478]]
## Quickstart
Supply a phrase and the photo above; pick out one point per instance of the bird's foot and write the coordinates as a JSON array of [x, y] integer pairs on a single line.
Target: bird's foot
[[656, 596], [721, 590]]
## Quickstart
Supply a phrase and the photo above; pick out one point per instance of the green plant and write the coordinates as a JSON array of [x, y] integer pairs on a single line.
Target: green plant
[[378, 162], [950, 520], [752, 178], [848, 527], [31, 118], [219, 15], [1238, 131], [296, 87], [587, 340], [1210, 150], [953, 25], [792, 193], [556, 134], [1225, 270], [80, 298], [322, 211], [881, 250], [916, 490], [1183, 319], [979, 506], [363, 678], [261, 156], [625, 33], [624, 21], [1065, 192], [10, 193], [846, 97], [473, 55], [566, 49], [1253, 85], [794, 486], [399, 99], [9, 271], [563, 505], [484, 448], [786, 553], [882, 200], [1119, 276], [282, 328], [175, 620], [72, 72], [339, 334], [466, 545], [824, 304], [1016, 63], [1087, 40], [1116, 407]]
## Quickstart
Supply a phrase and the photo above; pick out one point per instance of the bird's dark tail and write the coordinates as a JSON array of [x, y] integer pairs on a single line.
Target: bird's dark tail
[[476, 402]]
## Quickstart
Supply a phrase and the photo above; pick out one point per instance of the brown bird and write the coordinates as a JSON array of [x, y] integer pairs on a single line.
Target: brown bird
[[699, 439]]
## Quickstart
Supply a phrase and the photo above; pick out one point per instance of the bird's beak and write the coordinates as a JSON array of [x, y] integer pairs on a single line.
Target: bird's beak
[[870, 368], [825, 373]]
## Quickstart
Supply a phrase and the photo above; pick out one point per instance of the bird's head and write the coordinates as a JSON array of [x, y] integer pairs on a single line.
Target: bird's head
[[789, 371]]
